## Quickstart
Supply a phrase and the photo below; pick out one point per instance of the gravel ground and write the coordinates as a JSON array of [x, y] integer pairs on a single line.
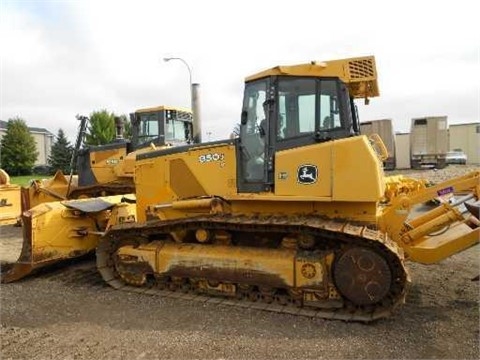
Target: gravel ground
[[435, 175], [69, 313]]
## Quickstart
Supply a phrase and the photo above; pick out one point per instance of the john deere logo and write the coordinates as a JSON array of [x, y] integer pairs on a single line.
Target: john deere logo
[[307, 174]]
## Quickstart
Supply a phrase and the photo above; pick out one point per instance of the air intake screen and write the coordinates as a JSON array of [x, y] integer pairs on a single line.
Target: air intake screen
[[184, 116], [361, 69]]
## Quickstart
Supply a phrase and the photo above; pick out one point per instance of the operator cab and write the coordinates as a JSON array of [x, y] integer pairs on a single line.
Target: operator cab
[[284, 112], [161, 126]]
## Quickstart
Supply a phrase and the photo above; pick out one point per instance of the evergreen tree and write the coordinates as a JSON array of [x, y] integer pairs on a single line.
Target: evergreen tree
[[61, 153], [18, 150]]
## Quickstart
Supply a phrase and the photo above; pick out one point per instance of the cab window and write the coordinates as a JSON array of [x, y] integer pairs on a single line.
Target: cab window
[[175, 130], [148, 128], [253, 131], [296, 107], [329, 106]]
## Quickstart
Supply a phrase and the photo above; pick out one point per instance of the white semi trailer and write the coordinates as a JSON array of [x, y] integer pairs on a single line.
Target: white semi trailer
[[428, 142]]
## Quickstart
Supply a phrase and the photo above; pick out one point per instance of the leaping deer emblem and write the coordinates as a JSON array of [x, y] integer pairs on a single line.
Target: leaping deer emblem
[[306, 175]]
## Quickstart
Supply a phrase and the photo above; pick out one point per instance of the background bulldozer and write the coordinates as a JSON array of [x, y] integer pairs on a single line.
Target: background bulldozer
[[106, 169], [296, 213]]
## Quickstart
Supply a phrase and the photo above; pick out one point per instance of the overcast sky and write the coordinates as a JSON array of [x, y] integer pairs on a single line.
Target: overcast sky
[[63, 58]]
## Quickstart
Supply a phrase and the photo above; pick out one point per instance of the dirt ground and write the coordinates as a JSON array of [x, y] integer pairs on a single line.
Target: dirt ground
[[69, 313]]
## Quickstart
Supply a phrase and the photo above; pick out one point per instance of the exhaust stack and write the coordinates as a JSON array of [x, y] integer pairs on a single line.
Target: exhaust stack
[[197, 121]]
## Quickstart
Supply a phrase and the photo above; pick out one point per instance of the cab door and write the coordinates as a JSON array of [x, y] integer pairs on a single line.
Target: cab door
[[254, 163]]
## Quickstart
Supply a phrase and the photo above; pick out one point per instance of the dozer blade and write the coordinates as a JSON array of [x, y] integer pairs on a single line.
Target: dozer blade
[[437, 247], [57, 231], [46, 190], [442, 232]]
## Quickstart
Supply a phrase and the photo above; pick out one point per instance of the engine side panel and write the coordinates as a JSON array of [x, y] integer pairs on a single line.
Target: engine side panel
[[165, 177], [306, 170], [97, 165]]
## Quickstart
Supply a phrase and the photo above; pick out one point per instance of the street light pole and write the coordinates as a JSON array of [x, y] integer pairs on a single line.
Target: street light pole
[[194, 103], [189, 71]]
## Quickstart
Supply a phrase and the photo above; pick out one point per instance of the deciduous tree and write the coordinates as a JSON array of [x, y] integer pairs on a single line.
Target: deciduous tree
[[101, 129]]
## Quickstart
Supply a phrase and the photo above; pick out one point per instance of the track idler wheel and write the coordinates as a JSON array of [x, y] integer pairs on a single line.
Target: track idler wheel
[[133, 273], [362, 276]]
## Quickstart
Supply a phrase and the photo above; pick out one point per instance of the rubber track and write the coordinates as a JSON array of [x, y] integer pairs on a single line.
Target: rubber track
[[338, 231]]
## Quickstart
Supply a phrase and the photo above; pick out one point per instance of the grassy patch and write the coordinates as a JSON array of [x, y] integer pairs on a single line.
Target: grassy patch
[[25, 180]]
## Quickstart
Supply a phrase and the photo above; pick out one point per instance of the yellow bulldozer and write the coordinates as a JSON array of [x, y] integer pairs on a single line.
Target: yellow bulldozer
[[295, 215], [105, 169]]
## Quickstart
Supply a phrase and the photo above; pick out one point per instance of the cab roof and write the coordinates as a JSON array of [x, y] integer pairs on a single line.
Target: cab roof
[[358, 73]]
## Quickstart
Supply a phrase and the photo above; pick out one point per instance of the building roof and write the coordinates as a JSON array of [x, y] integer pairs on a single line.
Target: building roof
[[468, 123], [3, 125]]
